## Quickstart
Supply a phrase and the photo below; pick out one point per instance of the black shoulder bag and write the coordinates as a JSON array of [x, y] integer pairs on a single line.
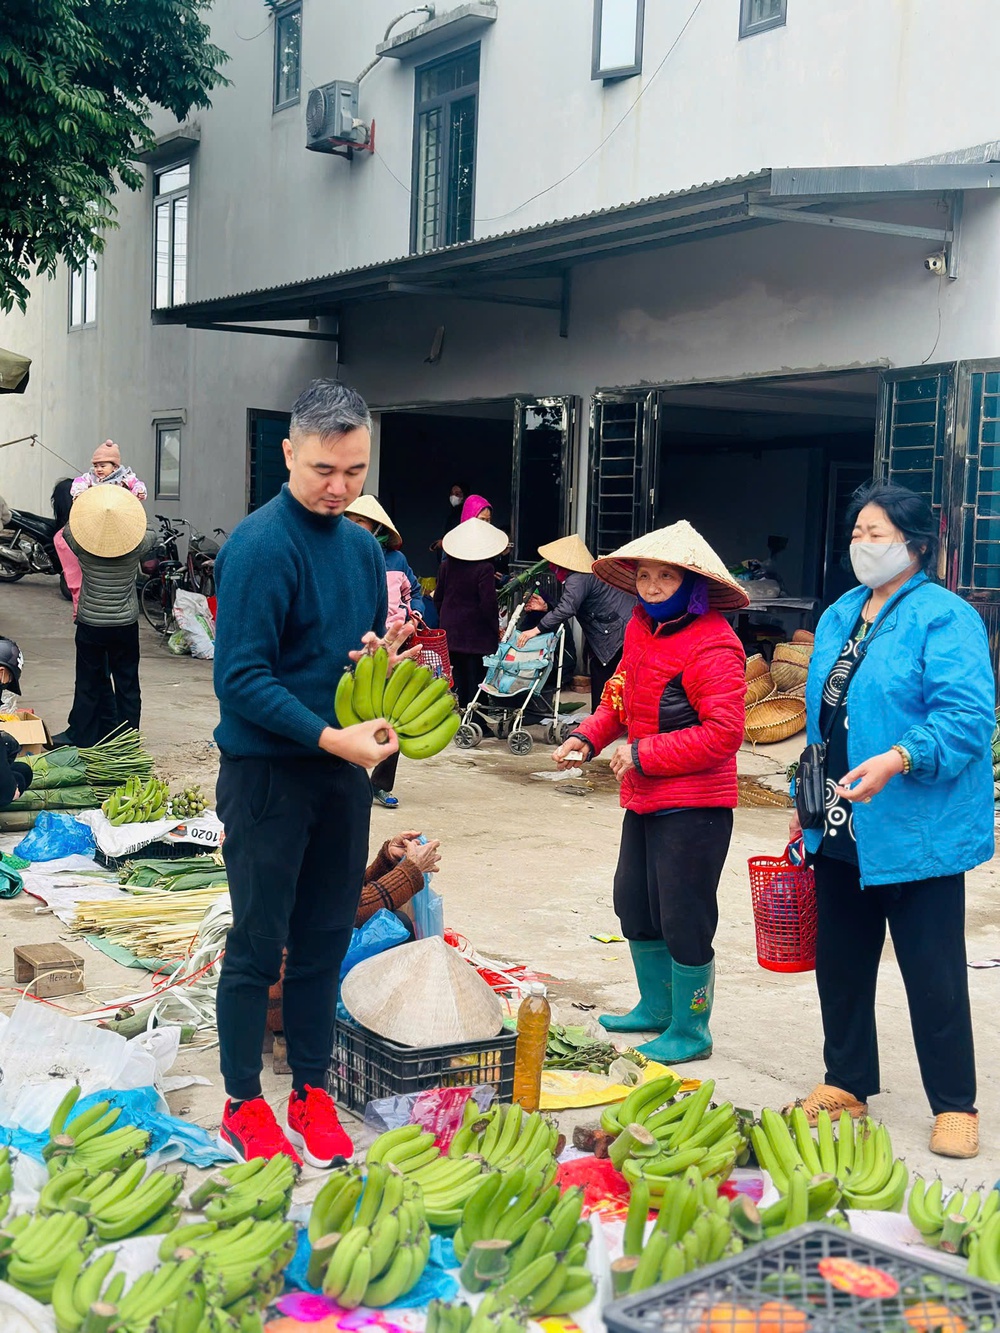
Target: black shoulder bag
[[810, 777]]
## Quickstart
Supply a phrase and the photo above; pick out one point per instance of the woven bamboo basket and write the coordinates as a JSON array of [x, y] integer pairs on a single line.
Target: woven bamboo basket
[[788, 676], [803, 636], [757, 689], [775, 719], [756, 667], [797, 653]]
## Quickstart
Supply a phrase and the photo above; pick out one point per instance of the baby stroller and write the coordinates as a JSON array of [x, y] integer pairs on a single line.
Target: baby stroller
[[513, 694]]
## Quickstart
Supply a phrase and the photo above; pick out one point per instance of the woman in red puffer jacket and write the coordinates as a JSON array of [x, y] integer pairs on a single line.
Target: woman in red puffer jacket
[[678, 700]]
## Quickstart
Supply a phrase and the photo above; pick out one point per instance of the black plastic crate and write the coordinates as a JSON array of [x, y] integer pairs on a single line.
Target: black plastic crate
[[162, 850], [366, 1067], [786, 1269]]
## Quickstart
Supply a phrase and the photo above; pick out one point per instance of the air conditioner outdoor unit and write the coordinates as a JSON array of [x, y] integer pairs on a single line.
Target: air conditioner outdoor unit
[[332, 124]]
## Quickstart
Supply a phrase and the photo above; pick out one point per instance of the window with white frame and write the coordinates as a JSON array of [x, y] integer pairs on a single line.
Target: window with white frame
[[617, 39], [760, 15], [83, 295], [170, 234], [168, 460], [287, 54]]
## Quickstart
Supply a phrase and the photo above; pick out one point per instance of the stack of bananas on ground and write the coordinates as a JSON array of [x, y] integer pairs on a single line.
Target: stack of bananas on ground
[[982, 1242], [419, 706], [859, 1154], [241, 1267], [376, 1254], [90, 1140], [685, 1132], [641, 1104], [115, 1204], [504, 1135], [445, 1182], [136, 802], [953, 1223], [457, 1317], [696, 1226], [254, 1189], [34, 1249], [527, 1242], [6, 1181]]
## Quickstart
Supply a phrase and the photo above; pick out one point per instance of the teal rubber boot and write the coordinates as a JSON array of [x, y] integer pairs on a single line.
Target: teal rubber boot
[[652, 962], [687, 1037]]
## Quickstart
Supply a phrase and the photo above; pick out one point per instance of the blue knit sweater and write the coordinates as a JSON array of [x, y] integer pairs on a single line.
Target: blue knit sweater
[[296, 593]]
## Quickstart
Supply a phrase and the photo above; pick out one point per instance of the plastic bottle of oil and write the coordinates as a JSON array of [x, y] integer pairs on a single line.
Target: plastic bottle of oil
[[533, 1019]]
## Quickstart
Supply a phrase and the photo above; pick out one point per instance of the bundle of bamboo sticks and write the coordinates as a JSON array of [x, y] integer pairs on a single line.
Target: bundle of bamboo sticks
[[151, 925]]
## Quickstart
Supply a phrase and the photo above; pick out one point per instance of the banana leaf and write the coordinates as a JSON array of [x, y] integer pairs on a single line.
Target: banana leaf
[[56, 798], [58, 768]]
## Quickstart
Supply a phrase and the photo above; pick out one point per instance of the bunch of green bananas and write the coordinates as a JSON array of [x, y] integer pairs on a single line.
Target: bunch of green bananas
[[81, 1286], [504, 1135], [686, 1132], [953, 1223], [188, 804], [517, 1221], [808, 1199], [548, 1285], [90, 1140], [642, 1104], [376, 1254], [35, 1247], [134, 803], [457, 1317], [252, 1189], [695, 1226], [6, 1181], [983, 1243], [131, 1205], [859, 1155], [418, 705], [445, 1182], [242, 1266]]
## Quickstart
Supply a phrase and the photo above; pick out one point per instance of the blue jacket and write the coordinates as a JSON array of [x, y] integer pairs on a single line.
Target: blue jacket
[[926, 683]]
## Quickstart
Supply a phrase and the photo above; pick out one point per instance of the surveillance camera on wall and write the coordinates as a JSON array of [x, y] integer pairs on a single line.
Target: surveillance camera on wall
[[936, 264]]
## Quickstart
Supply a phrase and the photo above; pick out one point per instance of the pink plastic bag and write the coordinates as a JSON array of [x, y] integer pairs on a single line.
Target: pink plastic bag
[[440, 1111]]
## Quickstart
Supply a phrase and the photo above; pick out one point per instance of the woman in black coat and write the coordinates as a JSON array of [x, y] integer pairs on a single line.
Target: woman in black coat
[[466, 599]]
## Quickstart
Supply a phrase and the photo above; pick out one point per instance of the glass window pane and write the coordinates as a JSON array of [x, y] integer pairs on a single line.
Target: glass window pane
[[175, 178], [428, 179], [75, 299], [461, 157], [288, 57], [449, 76], [162, 255], [179, 283], [90, 292], [618, 35], [168, 462]]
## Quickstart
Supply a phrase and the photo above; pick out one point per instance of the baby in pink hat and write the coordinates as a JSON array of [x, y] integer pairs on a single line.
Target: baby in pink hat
[[106, 466]]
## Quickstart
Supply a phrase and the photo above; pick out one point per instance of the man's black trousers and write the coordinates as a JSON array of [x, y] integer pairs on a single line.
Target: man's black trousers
[[926, 919], [296, 849], [102, 650]]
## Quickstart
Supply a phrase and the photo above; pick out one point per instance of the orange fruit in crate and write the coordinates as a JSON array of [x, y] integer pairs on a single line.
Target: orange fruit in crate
[[726, 1317], [933, 1317], [782, 1317]]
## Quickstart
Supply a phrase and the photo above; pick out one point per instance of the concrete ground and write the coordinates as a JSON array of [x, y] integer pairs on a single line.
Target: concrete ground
[[527, 874]]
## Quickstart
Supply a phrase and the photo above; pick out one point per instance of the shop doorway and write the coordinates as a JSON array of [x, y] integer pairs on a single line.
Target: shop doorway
[[266, 470], [516, 452]]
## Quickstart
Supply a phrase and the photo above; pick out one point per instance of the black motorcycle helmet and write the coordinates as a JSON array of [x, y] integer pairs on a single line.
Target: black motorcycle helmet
[[10, 657]]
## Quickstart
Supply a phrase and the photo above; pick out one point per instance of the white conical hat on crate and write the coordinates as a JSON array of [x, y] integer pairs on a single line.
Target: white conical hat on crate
[[422, 994], [474, 540], [107, 521], [568, 553], [679, 545]]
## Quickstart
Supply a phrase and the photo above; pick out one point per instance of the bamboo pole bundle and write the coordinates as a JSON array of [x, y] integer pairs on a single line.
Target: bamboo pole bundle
[[151, 925]]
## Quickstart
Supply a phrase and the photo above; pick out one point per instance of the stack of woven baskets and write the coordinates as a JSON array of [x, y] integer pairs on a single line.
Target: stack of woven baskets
[[775, 695]]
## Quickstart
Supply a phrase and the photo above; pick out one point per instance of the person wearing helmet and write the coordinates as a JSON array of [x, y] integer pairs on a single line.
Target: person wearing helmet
[[15, 777]]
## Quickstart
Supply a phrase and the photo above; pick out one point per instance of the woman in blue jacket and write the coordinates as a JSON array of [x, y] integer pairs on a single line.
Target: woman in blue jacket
[[909, 809]]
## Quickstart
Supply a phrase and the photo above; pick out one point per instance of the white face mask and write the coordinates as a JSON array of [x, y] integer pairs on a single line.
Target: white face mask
[[878, 563], [455, 500]]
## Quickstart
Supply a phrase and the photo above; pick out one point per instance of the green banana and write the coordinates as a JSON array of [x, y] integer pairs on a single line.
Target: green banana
[[437, 688], [394, 686], [362, 691], [432, 716], [343, 700], [432, 742], [380, 668]]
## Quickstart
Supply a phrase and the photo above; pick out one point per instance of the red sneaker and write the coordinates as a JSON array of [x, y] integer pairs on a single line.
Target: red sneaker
[[313, 1126], [252, 1131]]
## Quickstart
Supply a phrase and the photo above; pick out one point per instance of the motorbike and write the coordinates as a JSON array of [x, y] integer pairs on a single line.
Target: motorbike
[[27, 547]]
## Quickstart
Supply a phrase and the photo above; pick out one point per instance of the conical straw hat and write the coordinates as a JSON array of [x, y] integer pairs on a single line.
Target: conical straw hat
[[568, 553], [679, 545], [474, 540], [422, 994], [107, 521], [366, 506]]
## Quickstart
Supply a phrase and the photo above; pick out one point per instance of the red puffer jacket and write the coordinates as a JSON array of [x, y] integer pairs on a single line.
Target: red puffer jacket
[[683, 699]]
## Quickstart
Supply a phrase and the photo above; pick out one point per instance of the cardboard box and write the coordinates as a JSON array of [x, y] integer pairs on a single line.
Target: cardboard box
[[49, 969], [29, 731]]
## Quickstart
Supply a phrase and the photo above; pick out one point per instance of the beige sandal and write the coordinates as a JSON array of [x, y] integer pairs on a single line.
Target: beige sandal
[[955, 1134], [825, 1097]]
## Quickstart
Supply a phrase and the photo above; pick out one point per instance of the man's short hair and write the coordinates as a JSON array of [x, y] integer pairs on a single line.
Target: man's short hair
[[328, 409]]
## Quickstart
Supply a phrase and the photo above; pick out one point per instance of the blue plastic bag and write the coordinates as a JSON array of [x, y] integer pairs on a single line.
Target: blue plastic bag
[[428, 909], [55, 835], [382, 931]]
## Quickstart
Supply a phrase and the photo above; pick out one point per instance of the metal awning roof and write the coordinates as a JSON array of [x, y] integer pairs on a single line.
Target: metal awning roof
[[509, 267]]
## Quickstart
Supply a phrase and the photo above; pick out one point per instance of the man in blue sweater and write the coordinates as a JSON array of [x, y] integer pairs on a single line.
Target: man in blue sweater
[[300, 588]]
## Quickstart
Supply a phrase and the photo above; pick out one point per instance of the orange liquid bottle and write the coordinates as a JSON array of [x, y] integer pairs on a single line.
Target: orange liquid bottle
[[533, 1019]]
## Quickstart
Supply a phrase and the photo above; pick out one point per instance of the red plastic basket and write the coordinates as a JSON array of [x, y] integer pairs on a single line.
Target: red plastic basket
[[434, 650], [784, 914]]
